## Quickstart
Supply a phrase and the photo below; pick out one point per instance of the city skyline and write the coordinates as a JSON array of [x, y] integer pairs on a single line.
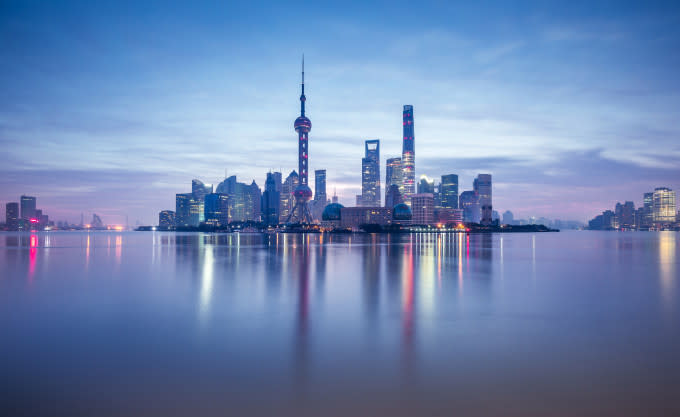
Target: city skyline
[[559, 142]]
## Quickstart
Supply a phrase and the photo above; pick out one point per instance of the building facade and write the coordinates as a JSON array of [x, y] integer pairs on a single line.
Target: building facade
[[408, 154], [182, 210], [664, 206], [270, 201], [199, 190], [425, 185], [354, 217], [216, 209], [166, 219], [28, 206], [469, 203], [422, 207], [482, 186], [393, 175], [289, 185], [370, 174], [393, 196], [12, 216], [448, 190]]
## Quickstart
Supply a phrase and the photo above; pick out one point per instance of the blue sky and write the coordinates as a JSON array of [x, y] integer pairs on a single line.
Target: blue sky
[[113, 109]]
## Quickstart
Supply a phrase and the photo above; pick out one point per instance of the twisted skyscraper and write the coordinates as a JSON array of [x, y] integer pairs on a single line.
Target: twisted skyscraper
[[302, 194], [408, 155]]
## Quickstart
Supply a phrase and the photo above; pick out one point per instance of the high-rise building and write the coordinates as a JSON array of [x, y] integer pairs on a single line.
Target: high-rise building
[[664, 206], [393, 196], [199, 191], [12, 216], [320, 186], [425, 185], [408, 155], [482, 186], [422, 207], [228, 186], [448, 190], [393, 175], [508, 218], [271, 200], [183, 209], [289, 185], [302, 193], [648, 210], [216, 209], [370, 175], [625, 214], [254, 202], [27, 207], [166, 219], [278, 180], [469, 203]]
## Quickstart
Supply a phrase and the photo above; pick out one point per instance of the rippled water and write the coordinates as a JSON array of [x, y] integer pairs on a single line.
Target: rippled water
[[571, 323]]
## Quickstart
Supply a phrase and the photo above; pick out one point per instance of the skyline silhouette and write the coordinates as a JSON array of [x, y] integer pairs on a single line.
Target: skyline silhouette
[[112, 110]]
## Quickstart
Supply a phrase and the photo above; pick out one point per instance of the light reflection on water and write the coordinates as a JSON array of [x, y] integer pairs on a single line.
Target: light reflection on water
[[177, 324]]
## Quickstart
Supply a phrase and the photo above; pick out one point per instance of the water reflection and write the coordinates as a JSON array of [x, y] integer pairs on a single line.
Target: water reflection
[[341, 316], [667, 266]]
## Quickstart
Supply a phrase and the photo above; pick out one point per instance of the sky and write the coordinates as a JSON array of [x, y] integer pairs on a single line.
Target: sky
[[113, 109]]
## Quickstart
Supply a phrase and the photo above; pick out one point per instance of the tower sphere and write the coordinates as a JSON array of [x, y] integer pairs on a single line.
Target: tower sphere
[[302, 193], [303, 124]]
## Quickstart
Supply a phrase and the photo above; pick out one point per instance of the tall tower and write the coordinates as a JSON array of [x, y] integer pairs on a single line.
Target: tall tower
[[370, 175], [408, 155], [302, 194]]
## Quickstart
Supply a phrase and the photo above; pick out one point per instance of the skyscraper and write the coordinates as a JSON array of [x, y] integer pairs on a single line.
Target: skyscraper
[[12, 216], [508, 217], [270, 201], [448, 190], [27, 207], [425, 185], [320, 186], [216, 209], [482, 186], [469, 203], [393, 196], [408, 155], [648, 210], [664, 206], [254, 202], [370, 174], [182, 209], [199, 191], [302, 194], [393, 175], [289, 185]]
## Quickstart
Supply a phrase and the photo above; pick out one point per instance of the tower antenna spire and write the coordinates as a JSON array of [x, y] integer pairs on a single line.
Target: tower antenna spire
[[302, 96]]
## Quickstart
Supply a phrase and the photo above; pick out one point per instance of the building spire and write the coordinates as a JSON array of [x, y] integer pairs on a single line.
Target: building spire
[[302, 97]]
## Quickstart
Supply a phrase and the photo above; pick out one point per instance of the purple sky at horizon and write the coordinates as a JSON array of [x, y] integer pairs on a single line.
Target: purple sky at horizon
[[114, 109]]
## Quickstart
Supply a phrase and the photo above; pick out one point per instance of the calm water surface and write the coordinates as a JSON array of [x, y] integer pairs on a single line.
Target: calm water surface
[[121, 324]]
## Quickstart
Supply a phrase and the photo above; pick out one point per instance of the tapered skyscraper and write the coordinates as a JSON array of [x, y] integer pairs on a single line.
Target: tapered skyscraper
[[408, 155], [302, 194]]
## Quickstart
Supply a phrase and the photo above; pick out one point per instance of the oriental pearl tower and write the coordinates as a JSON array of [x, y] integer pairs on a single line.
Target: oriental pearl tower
[[302, 194]]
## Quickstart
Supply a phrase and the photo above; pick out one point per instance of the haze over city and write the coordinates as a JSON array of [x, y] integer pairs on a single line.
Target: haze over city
[[115, 109]]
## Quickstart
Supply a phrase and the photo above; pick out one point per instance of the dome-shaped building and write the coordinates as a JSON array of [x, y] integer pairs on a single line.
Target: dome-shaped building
[[401, 213], [332, 212]]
